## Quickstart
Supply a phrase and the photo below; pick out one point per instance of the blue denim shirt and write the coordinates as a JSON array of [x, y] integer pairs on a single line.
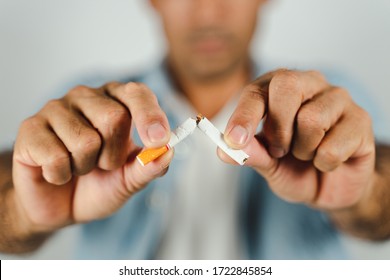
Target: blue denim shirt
[[270, 227]]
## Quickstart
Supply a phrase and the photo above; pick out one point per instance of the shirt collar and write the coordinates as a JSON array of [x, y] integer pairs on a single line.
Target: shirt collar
[[171, 101]]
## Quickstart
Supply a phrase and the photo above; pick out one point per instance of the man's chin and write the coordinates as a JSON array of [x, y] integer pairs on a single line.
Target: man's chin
[[210, 69]]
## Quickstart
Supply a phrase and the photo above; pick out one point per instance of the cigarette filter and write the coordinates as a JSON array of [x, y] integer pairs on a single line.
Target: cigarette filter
[[217, 137], [177, 136]]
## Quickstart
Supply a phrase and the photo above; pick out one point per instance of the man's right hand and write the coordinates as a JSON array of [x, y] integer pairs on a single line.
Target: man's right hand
[[74, 161]]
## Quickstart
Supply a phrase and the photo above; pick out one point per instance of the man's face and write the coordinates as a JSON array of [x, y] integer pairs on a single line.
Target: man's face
[[208, 38]]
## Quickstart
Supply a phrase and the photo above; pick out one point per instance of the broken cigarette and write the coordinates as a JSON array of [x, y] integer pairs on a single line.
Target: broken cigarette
[[185, 130], [177, 136], [217, 137]]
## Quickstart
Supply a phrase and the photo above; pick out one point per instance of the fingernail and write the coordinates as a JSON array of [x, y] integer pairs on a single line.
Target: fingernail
[[238, 135], [276, 152], [156, 132]]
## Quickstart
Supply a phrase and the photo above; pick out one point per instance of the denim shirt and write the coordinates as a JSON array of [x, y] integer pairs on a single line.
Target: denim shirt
[[270, 227]]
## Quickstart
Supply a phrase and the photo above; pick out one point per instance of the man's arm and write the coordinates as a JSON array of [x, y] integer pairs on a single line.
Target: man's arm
[[13, 236], [370, 218]]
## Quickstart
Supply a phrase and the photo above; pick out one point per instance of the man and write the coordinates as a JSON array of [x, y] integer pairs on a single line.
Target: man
[[313, 166]]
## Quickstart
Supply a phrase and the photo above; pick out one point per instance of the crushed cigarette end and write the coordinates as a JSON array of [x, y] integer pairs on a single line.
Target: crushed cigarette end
[[199, 117]]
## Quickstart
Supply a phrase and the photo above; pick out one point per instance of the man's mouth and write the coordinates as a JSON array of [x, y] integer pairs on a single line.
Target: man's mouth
[[210, 41], [210, 45]]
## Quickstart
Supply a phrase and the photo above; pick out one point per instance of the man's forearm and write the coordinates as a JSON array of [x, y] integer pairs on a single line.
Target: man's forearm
[[14, 235], [370, 219]]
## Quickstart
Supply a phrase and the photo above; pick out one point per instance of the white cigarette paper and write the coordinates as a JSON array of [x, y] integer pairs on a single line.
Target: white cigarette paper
[[217, 137], [177, 136], [182, 131]]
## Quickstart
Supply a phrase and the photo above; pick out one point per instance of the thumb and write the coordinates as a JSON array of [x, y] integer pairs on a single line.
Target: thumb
[[259, 158], [136, 176]]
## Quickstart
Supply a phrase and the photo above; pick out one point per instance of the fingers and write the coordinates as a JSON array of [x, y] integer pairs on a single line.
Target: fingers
[[150, 121], [38, 146], [302, 114], [250, 110], [245, 119], [277, 95], [111, 109], [110, 120], [347, 139], [315, 118], [288, 90], [80, 139], [90, 128], [313, 133]]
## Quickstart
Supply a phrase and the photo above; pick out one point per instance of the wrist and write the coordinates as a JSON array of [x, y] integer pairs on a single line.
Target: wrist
[[21, 235], [365, 218]]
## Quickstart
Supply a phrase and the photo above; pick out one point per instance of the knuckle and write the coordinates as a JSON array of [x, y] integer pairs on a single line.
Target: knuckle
[[27, 137], [245, 113], [254, 92], [330, 156], [364, 117], [53, 105], [311, 119], [341, 92], [57, 159], [111, 85], [31, 123], [30, 128], [150, 117], [80, 90], [286, 81], [115, 117], [132, 87], [89, 142], [318, 75], [279, 136], [282, 134], [243, 116], [139, 90]]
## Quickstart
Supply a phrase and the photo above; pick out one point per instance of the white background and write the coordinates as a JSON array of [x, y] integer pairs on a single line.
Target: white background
[[46, 45], [280, 270]]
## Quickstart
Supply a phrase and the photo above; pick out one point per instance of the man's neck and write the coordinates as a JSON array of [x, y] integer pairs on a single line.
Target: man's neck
[[208, 97]]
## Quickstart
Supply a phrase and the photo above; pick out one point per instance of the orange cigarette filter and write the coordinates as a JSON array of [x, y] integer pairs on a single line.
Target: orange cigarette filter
[[149, 155]]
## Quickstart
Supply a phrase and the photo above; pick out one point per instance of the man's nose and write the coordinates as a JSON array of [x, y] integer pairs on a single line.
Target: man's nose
[[209, 11]]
